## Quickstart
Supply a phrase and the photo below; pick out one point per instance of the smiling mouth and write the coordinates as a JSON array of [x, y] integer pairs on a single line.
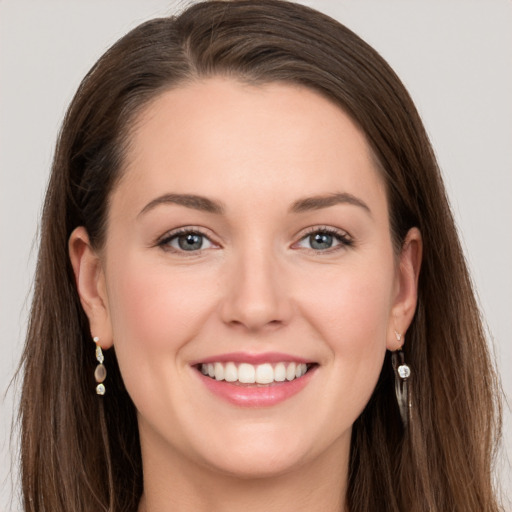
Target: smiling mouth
[[261, 374]]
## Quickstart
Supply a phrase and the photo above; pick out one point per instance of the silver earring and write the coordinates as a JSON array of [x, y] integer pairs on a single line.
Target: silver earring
[[100, 374], [402, 384]]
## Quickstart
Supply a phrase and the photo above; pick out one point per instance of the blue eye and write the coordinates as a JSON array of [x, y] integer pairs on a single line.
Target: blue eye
[[319, 240], [324, 239], [188, 241]]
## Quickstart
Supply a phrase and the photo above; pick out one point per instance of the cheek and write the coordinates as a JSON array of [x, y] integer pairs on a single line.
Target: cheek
[[352, 317], [353, 303], [151, 301], [154, 312]]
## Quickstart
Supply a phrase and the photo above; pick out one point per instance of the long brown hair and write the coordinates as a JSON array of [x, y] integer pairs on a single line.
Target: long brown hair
[[81, 452]]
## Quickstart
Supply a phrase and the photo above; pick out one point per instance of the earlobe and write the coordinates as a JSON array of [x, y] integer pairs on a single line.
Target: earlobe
[[406, 296], [90, 283]]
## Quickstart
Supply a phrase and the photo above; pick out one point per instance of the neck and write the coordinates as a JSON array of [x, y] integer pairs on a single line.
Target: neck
[[319, 485]]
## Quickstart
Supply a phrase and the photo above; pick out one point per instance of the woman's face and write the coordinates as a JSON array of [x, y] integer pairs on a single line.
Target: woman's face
[[248, 239]]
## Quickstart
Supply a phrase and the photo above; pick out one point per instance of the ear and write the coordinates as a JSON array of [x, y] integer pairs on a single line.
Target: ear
[[90, 282], [406, 289]]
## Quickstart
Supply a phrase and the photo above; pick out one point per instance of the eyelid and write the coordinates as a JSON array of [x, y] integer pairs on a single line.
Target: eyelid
[[344, 238], [164, 240]]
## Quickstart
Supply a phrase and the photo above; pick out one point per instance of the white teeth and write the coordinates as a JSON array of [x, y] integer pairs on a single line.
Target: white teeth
[[230, 372], [290, 371], [264, 374], [246, 373], [300, 370], [280, 372], [219, 371]]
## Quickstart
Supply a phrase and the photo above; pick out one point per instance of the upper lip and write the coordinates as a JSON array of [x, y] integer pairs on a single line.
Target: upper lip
[[244, 357]]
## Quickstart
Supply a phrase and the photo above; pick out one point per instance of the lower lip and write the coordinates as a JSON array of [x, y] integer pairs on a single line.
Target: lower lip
[[256, 395]]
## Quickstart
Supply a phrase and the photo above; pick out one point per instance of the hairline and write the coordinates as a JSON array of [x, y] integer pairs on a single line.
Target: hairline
[[135, 119]]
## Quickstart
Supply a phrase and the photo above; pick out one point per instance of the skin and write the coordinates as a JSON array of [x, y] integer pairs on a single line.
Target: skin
[[259, 284]]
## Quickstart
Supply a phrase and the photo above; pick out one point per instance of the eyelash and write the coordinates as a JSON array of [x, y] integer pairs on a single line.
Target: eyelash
[[341, 236], [163, 243], [344, 239]]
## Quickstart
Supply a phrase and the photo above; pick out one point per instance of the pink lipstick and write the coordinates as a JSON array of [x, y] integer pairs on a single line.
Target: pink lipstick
[[255, 380]]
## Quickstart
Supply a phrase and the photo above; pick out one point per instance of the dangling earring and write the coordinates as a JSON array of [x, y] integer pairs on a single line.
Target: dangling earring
[[100, 374], [402, 384]]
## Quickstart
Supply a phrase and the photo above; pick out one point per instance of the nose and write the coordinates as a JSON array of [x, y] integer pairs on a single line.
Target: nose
[[256, 295]]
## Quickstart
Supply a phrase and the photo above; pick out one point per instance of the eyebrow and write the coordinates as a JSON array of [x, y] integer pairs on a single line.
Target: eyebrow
[[189, 200], [325, 201], [301, 205]]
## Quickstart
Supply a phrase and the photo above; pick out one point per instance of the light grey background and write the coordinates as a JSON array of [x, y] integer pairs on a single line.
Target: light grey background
[[454, 56]]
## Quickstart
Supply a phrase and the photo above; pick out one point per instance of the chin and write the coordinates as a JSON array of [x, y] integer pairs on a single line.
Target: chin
[[256, 464], [266, 453]]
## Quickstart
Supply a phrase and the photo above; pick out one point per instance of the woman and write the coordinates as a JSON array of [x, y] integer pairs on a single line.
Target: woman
[[249, 288]]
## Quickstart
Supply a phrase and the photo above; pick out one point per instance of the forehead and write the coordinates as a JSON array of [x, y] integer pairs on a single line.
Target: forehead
[[220, 136]]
